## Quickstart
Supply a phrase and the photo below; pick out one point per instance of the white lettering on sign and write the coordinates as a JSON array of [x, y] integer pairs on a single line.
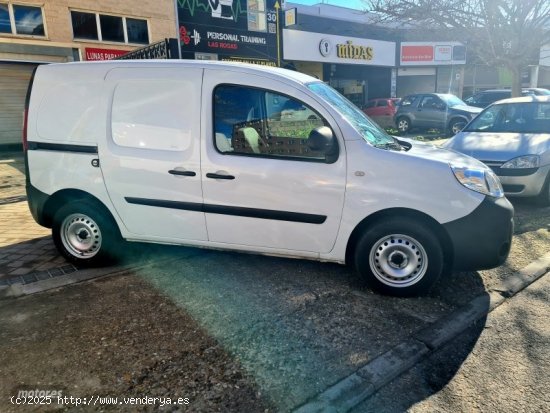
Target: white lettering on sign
[[443, 53]]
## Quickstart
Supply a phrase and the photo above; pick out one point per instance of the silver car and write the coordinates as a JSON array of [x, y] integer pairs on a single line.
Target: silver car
[[512, 136]]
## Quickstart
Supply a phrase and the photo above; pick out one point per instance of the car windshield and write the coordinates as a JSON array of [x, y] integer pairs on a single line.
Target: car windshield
[[452, 100], [526, 117], [369, 130]]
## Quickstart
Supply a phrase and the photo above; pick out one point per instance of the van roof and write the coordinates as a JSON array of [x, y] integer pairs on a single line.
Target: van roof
[[246, 67]]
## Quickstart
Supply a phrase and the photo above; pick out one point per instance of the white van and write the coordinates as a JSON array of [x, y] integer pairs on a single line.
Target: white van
[[208, 154]]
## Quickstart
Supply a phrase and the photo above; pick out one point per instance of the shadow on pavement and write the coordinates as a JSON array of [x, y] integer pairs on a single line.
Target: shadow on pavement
[[297, 326]]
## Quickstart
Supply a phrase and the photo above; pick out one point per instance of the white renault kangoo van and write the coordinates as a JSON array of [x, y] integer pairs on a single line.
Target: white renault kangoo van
[[249, 158]]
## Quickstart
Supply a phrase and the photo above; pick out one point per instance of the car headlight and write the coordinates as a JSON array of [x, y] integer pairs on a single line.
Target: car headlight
[[526, 161], [483, 181]]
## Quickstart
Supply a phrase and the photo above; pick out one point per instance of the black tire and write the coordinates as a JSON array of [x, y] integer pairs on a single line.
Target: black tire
[[456, 126], [543, 198], [86, 234], [399, 257], [403, 124]]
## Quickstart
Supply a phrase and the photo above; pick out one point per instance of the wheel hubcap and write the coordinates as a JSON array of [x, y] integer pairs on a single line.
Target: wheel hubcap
[[457, 127], [398, 260], [81, 236]]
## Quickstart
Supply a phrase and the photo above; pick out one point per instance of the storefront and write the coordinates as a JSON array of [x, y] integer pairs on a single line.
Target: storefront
[[431, 67], [238, 30], [359, 68]]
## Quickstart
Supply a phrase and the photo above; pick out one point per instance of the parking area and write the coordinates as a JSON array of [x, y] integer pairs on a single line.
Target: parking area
[[230, 331]]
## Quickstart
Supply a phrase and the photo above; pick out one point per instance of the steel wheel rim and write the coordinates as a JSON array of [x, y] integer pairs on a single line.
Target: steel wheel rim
[[398, 260], [457, 127], [403, 125], [81, 236]]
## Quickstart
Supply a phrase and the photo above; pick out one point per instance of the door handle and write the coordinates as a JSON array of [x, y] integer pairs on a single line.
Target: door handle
[[181, 172], [219, 176]]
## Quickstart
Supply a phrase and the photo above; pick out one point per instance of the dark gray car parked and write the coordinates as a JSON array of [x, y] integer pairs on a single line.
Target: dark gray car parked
[[434, 111], [486, 97]]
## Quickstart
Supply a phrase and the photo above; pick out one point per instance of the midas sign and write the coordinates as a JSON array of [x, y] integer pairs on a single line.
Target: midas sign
[[351, 51]]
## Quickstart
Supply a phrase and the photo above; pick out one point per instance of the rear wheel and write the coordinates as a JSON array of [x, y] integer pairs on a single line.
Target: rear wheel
[[399, 257], [403, 125], [85, 234]]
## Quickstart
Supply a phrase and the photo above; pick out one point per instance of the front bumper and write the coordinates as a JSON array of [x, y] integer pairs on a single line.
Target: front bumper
[[527, 185], [520, 182], [482, 239]]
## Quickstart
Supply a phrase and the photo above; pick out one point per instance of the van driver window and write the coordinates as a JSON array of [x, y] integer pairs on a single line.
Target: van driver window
[[258, 122]]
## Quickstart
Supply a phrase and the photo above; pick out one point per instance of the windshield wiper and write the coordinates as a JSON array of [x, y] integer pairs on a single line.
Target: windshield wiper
[[390, 145]]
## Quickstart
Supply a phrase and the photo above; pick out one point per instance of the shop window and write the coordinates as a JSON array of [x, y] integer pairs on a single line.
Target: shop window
[[21, 20], [84, 25], [5, 24], [137, 31], [108, 28], [112, 29]]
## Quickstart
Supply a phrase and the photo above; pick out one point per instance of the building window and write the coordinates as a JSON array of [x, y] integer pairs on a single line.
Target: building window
[[256, 15], [5, 24], [137, 31], [21, 20], [84, 25], [109, 28], [112, 29]]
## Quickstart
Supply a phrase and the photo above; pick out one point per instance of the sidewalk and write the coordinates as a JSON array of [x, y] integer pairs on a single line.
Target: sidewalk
[[25, 246]]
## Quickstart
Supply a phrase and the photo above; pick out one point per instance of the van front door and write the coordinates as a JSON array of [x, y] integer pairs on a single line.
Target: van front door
[[263, 185], [151, 158]]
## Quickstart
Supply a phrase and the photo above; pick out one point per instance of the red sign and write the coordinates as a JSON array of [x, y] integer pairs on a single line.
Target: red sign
[[91, 53], [417, 53]]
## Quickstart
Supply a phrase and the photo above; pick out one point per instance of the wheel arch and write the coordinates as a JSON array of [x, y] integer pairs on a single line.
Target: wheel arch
[[436, 227], [62, 197], [455, 118]]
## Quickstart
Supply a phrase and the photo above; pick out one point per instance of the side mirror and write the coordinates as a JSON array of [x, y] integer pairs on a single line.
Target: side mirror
[[322, 139]]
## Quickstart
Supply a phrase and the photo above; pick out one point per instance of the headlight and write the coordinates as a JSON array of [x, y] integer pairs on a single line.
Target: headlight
[[526, 161], [483, 181]]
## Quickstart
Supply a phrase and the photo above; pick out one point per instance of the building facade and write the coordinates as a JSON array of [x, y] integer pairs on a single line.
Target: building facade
[[33, 32]]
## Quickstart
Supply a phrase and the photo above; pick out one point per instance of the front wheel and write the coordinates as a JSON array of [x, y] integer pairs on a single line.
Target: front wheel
[[399, 257], [403, 125], [456, 126], [85, 234]]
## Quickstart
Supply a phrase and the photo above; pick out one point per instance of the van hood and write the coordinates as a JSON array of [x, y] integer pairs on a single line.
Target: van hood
[[468, 109], [436, 153], [500, 146]]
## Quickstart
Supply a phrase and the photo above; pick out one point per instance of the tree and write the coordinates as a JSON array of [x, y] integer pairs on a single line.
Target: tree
[[501, 33]]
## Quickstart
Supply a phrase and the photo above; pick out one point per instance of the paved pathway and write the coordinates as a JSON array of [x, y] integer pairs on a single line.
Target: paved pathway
[[25, 246]]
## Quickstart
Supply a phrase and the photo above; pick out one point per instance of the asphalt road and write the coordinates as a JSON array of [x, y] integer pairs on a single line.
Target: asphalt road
[[507, 369]]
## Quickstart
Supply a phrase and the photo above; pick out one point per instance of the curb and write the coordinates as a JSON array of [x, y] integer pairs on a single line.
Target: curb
[[18, 289], [362, 384], [38, 282]]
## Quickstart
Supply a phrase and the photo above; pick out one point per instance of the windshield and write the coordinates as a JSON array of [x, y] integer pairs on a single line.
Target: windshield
[[530, 117], [452, 100], [369, 130]]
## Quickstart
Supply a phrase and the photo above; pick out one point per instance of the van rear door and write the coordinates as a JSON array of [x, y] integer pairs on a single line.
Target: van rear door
[[151, 157]]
